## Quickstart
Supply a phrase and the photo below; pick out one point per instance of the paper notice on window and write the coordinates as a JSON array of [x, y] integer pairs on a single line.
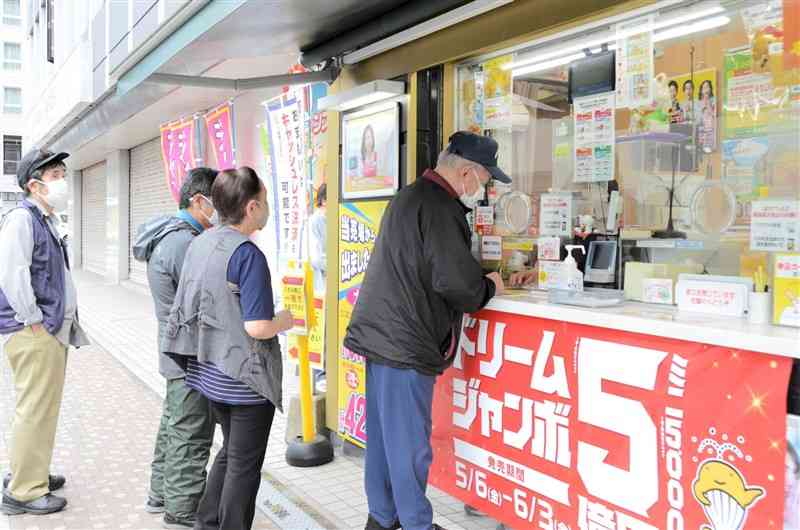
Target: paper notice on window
[[594, 138], [555, 217], [634, 57], [775, 226]]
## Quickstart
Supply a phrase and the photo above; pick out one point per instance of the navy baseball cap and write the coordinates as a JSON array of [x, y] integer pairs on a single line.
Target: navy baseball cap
[[479, 149], [33, 160]]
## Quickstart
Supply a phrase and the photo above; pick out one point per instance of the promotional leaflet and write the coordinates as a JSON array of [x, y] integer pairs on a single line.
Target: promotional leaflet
[[497, 93], [358, 228], [775, 226], [548, 424], [555, 217], [316, 339], [594, 138], [634, 56]]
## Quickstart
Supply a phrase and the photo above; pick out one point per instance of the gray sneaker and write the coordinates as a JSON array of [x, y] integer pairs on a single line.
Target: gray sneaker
[[171, 522], [43, 505], [154, 505]]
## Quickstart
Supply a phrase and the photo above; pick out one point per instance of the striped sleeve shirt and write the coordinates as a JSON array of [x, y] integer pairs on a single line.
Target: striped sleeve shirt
[[249, 270]]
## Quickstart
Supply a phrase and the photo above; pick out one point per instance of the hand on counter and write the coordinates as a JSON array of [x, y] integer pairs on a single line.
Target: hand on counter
[[518, 279], [498, 283]]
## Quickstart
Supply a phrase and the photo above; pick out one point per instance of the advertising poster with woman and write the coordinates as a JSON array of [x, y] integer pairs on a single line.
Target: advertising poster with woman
[[371, 157], [694, 99]]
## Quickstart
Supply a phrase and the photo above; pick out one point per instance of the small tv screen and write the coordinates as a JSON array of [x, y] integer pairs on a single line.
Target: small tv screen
[[591, 75]]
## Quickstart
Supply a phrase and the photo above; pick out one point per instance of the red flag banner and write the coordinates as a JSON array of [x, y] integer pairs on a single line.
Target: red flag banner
[[178, 153], [559, 426], [219, 124]]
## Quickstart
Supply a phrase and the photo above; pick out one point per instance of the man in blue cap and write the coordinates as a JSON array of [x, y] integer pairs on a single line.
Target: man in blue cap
[[38, 322], [420, 281]]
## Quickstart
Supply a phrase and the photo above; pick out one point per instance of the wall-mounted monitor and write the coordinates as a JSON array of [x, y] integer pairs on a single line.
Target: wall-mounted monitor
[[594, 74]]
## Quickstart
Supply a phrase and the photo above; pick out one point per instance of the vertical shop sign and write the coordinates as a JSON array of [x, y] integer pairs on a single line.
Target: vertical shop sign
[[594, 138], [178, 153], [634, 57], [497, 92], [548, 424], [286, 125], [358, 229], [219, 124]]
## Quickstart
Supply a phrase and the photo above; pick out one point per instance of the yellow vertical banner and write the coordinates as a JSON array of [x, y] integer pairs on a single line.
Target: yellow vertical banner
[[358, 228]]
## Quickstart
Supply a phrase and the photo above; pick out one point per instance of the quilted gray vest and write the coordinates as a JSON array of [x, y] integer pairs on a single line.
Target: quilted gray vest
[[206, 318]]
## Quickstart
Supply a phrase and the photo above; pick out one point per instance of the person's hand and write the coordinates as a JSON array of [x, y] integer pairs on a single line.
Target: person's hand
[[499, 287], [37, 328], [284, 320], [519, 279]]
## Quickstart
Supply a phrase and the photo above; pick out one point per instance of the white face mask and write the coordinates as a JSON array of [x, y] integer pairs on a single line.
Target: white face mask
[[57, 196], [214, 219], [471, 201]]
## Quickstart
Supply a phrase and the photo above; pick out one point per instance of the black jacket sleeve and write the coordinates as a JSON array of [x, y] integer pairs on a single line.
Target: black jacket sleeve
[[455, 274]]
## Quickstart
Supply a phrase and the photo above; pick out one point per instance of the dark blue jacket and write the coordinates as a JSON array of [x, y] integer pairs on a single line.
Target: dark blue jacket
[[47, 277]]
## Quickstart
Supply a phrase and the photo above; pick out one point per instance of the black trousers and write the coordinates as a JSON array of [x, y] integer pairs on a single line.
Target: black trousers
[[229, 501]]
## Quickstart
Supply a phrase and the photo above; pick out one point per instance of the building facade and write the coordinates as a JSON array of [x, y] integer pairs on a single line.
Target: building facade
[[12, 81]]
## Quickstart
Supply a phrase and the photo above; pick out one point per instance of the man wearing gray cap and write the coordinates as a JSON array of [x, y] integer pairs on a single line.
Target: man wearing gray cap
[[38, 322], [420, 281]]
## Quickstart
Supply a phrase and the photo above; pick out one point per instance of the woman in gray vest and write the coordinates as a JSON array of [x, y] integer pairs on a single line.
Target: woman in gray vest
[[224, 320]]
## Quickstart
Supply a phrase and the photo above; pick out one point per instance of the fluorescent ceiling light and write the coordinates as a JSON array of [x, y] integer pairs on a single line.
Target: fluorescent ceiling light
[[681, 31], [363, 95], [671, 33], [546, 65], [445, 20], [610, 36]]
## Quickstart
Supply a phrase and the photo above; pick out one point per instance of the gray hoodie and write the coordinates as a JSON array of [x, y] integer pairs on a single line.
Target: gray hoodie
[[162, 243]]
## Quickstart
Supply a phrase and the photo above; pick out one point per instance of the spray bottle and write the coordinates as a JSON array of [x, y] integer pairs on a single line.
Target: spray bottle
[[573, 277]]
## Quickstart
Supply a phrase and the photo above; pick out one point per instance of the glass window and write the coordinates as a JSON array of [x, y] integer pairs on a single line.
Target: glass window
[[12, 100], [12, 15], [12, 154], [691, 113], [12, 56]]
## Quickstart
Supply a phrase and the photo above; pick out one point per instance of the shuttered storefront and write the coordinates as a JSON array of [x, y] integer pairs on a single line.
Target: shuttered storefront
[[93, 223], [150, 197]]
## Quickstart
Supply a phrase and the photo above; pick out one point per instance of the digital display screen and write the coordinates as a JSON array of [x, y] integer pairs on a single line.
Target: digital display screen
[[603, 254]]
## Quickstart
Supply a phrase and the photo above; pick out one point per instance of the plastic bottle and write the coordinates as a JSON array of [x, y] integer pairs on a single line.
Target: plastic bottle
[[573, 277]]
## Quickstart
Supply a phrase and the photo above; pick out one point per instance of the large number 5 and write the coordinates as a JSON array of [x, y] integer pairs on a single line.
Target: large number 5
[[636, 488]]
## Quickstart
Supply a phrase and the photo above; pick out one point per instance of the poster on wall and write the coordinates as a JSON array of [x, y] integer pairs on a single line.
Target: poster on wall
[[497, 93], [471, 101], [371, 152], [634, 68], [179, 152], [694, 99], [287, 148], [775, 226], [219, 125], [594, 138], [743, 161], [791, 41], [546, 424], [750, 98], [358, 228]]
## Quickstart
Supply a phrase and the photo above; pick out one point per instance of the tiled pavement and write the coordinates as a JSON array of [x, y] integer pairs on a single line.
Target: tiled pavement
[[108, 422]]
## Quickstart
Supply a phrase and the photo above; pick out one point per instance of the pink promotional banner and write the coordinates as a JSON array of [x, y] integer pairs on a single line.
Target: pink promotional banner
[[219, 124], [178, 153]]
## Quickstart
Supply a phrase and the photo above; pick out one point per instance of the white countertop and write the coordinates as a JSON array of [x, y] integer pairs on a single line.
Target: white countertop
[[662, 321]]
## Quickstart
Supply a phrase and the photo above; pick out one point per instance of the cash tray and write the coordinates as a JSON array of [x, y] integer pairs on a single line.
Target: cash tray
[[591, 297]]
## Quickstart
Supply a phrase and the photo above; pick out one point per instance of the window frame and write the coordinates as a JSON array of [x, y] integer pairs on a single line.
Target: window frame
[[7, 106], [6, 61], [49, 23], [8, 141], [12, 20]]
